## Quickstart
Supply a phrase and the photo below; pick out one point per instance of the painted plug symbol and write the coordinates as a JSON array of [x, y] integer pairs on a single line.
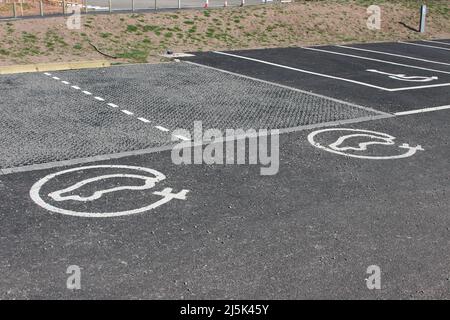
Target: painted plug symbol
[[407, 146]]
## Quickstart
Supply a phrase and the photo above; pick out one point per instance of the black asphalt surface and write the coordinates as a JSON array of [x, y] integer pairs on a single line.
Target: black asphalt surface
[[308, 232], [408, 50]]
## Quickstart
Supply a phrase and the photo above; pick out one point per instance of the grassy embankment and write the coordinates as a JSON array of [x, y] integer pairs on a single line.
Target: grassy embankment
[[137, 37]]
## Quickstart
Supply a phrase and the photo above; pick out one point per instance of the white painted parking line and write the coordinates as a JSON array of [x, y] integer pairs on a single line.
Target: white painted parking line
[[402, 113], [289, 88], [87, 93], [65, 82], [161, 128], [181, 137], [56, 78], [420, 87], [434, 41], [150, 177], [331, 77], [99, 99], [394, 55], [113, 105], [424, 45], [76, 87], [47, 74], [376, 60], [144, 120], [127, 112]]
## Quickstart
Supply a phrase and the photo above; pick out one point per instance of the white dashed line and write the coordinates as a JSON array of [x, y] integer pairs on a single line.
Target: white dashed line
[[161, 128], [116, 106], [144, 120], [127, 112]]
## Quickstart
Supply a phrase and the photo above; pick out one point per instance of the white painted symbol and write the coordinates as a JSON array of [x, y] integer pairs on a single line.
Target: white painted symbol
[[149, 182], [66, 194], [404, 77], [343, 145]]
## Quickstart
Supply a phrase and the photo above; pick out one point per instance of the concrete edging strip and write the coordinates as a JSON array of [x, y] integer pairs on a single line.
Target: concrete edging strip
[[55, 66]]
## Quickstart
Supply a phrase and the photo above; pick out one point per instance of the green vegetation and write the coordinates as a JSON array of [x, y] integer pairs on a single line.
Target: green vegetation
[[139, 37], [135, 55], [131, 28], [28, 37]]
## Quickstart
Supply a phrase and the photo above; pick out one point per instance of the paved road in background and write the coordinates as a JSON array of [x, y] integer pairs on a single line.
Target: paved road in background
[[102, 6], [150, 4]]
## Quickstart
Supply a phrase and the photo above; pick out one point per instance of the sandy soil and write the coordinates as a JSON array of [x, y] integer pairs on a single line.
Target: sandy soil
[[142, 37]]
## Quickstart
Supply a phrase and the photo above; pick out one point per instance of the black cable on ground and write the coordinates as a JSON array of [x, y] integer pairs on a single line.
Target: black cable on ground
[[105, 54]]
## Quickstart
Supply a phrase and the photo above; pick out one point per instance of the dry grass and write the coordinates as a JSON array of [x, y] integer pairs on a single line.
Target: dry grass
[[141, 37]]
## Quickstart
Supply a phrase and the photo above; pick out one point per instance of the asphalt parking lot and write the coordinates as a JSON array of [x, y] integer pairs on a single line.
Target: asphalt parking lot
[[362, 74], [208, 231], [85, 113]]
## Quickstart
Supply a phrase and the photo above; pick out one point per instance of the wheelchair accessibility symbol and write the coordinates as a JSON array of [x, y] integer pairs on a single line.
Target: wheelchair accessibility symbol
[[98, 187], [363, 144]]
